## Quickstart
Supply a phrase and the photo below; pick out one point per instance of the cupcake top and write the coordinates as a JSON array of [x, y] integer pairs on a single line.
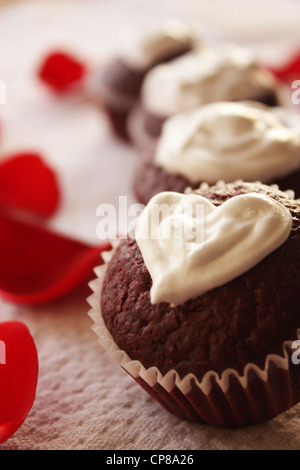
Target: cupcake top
[[189, 246], [205, 75], [228, 326], [153, 47], [229, 141]]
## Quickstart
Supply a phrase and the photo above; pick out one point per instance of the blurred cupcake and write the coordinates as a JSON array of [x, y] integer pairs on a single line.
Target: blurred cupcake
[[119, 83], [207, 323], [222, 73], [222, 141]]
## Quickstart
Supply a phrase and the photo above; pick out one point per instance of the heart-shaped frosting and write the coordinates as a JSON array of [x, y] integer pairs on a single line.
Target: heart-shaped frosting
[[190, 246]]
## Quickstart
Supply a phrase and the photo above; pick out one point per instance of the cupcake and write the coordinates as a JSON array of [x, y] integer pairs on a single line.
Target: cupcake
[[119, 83], [207, 322], [205, 75], [222, 141]]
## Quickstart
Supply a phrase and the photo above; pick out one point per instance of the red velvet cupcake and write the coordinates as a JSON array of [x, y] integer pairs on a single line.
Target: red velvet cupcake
[[208, 323], [205, 75], [222, 141], [121, 79]]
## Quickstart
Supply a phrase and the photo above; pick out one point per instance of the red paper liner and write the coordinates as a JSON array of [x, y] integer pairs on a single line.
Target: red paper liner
[[258, 402], [226, 400]]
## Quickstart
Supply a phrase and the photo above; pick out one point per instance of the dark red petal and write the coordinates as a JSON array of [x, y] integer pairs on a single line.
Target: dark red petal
[[27, 182], [18, 376], [60, 71], [38, 266]]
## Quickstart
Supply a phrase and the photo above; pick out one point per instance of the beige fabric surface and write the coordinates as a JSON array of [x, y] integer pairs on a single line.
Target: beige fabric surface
[[85, 401]]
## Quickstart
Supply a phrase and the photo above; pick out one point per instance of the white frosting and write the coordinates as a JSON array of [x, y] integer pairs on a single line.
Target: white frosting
[[224, 73], [193, 246], [174, 37], [230, 141]]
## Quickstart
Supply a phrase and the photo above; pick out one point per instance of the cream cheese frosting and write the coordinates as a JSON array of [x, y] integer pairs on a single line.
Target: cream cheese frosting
[[175, 36], [207, 74], [229, 141], [190, 246]]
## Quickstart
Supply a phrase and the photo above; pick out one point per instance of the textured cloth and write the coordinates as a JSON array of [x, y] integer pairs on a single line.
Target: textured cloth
[[85, 401]]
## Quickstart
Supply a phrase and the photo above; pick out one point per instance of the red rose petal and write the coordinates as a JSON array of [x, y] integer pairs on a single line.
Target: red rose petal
[[37, 265], [27, 182], [61, 71], [289, 71], [18, 376]]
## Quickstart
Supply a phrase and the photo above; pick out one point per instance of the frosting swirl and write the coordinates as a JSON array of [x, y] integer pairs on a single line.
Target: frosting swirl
[[205, 75], [230, 141], [190, 246], [174, 37]]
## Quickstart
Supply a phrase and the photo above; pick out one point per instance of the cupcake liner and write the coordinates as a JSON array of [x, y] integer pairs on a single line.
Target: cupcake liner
[[226, 400]]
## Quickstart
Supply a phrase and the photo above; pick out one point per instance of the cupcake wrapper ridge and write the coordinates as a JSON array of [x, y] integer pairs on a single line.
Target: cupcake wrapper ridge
[[226, 400]]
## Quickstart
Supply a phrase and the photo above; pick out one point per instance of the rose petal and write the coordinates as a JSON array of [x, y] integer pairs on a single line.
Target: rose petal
[[38, 265], [18, 376], [60, 71], [289, 71], [27, 182]]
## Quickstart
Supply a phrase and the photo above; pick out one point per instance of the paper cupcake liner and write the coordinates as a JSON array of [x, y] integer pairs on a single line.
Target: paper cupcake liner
[[227, 400]]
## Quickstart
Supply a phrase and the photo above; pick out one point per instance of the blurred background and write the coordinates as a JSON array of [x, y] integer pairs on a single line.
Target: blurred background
[[70, 133]]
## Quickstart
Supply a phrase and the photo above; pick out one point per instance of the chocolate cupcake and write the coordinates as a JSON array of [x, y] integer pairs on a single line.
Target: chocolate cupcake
[[222, 141], [120, 80], [207, 323], [205, 75]]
